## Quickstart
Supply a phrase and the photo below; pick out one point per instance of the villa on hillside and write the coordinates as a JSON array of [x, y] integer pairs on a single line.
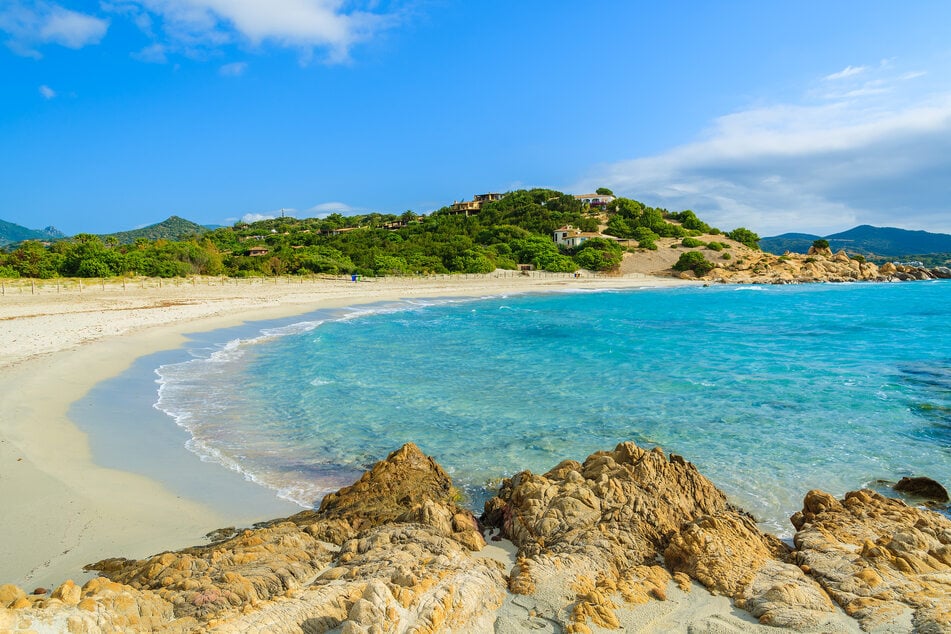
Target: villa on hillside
[[595, 200], [471, 207], [257, 251], [571, 237]]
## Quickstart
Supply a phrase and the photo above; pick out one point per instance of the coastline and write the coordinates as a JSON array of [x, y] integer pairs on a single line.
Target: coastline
[[64, 510]]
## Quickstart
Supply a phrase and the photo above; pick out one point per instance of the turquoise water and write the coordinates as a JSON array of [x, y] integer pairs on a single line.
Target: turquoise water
[[769, 390]]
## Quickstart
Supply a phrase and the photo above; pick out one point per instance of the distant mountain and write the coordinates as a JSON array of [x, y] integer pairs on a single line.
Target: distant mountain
[[12, 233], [865, 239], [174, 228]]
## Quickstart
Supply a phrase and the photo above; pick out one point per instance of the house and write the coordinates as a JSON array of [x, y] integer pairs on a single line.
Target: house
[[471, 207], [570, 237], [595, 200], [257, 251]]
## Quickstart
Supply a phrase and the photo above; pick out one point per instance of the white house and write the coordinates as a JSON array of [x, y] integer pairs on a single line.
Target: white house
[[570, 237], [595, 200]]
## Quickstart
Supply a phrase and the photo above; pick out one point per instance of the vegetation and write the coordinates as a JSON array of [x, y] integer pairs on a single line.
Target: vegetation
[[515, 230], [692, 243], [821, 243], [694, 261], [744, 236]]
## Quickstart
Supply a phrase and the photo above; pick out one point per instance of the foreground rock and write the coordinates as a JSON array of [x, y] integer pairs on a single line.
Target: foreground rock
[[887, 564], [601, 544], [593, 531], [393, 548]]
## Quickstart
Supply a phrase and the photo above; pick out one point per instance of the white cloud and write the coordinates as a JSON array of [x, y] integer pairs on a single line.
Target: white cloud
[[875, 157], [32, 23], [268, 215], [235, 69], [47, 92], [325, 209], [192, 26], [848, 71]]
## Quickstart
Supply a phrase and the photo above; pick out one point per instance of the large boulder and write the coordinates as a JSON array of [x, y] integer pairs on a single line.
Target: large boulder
[[887, 564], [594, 532]]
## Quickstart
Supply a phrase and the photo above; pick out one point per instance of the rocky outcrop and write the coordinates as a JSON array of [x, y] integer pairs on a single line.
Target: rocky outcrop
[[394, 548], [887, 564], [818, 265], [594, 530], [595, 539]]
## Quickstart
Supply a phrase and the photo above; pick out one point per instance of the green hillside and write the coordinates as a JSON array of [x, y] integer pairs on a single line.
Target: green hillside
[[12, 233], [174, 228]]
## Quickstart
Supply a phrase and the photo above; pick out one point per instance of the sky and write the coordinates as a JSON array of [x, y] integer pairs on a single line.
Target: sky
[[807, 116]]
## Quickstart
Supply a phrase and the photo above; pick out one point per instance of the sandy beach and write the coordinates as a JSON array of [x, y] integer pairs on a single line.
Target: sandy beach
[[61, 509]]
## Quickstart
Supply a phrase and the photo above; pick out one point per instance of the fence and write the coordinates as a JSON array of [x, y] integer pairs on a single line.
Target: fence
[[85, 285]]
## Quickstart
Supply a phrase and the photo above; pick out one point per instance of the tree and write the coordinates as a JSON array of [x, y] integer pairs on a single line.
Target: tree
[[599, 254], [821, 243], [745, 236], [694, 261], [603, 191]]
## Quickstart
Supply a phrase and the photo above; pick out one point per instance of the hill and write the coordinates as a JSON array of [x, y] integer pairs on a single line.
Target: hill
[[11, 233], [865, 239], [174, 228]]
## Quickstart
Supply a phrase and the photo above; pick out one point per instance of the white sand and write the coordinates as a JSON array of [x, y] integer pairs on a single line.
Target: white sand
[[58, 509]]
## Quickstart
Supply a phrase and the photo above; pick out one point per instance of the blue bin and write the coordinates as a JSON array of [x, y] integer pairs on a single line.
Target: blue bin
[[353, 278]]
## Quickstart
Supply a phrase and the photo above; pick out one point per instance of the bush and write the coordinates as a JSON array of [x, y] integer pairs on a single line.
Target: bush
[[725, 256], [715, 246], [646, 239], [858, 258], [692, 243], [821, 243], [745, 236], [694, 261]]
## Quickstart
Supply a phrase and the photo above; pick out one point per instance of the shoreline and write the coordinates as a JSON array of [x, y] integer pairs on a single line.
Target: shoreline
[[62, 508]]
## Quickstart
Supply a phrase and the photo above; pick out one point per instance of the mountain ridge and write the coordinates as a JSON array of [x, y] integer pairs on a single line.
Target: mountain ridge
[[864, 240]]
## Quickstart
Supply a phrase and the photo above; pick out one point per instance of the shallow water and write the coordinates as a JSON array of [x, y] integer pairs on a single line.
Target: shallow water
[[770, 391]]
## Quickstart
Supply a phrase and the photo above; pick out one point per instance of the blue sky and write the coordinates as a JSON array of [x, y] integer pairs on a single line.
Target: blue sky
[[807, 116]]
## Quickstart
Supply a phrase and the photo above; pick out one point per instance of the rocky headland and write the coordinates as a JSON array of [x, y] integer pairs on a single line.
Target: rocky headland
[[395, 552], [818, 265]]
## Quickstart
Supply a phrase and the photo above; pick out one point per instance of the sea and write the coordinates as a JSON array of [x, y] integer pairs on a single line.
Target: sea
[[769, 390]]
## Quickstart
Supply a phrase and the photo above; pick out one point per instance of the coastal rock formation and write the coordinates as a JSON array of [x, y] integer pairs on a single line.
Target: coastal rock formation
[[391, 548], [818, 265], [596, 540], [887, 564], [594, 530]]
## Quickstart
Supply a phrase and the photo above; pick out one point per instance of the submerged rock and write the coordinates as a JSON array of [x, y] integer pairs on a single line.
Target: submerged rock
[[924, 488]]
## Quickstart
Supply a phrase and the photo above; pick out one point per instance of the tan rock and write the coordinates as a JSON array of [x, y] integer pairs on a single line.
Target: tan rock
[[10, 594], [885, 563]]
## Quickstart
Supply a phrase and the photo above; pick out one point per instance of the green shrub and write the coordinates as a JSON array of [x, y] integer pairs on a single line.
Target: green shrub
[[858, 257], [821, 243], [692, 242], [745, 236], [715, 246], [694, 261], [725, 256]]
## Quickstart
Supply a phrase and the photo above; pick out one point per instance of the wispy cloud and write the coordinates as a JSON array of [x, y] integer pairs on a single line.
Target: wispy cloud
[[193, 27], [47, 92], [876, 156], [30, 24], [235, 69], [848, 71]]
